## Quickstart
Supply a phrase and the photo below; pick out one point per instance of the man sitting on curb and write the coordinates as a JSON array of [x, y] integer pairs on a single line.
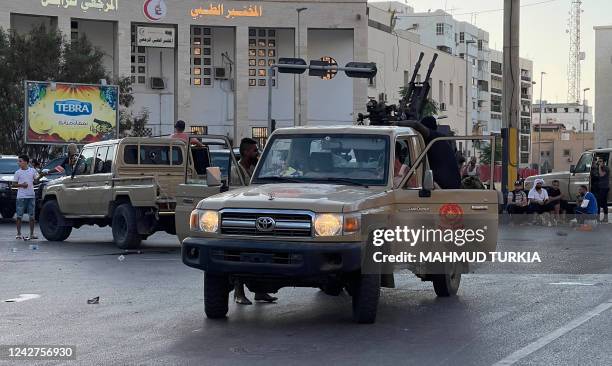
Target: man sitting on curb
[[538, 199], [517, 201], [586, 208]]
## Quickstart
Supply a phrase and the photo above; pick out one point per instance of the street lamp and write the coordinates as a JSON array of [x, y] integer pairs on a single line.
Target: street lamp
[[299, 46], [540, 124], [467, 42], [582, 121]]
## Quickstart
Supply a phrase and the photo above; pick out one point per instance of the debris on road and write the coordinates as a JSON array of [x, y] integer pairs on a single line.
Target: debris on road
[[95, 300], [23, 297], [121, 258], [33, 247]]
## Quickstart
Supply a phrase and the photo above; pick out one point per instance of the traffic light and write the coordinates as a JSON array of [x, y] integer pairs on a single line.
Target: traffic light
[[361, 70], [293, 65]]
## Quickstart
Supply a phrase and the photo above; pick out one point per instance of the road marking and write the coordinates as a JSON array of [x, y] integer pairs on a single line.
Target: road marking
[[543, 341], [23, 297], [572, 284]]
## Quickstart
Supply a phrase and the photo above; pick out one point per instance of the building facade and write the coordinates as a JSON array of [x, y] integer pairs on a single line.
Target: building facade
[[497, 80], [207, 62], [396, 51], [603, 86], [438, 29], [558, 147], [573, 116]]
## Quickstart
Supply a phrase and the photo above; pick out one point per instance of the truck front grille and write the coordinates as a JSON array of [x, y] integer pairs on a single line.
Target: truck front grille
[[266, 222]]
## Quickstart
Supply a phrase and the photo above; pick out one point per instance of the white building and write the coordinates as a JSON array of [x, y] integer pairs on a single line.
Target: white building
[[497, 67], [214, 65], [438, 29], [569, 114], [396, 52], [603, 86]]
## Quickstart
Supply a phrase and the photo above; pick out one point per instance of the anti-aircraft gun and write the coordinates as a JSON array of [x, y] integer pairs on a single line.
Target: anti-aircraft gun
[[410, 107]]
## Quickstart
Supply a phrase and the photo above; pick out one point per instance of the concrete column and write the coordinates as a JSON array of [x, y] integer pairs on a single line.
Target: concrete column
[[241, 97], [360, 53], [123, 49], [182, 88], [63, 25]]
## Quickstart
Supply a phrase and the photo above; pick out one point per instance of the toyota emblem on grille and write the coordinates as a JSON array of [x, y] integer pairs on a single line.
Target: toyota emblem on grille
[[265, 224]]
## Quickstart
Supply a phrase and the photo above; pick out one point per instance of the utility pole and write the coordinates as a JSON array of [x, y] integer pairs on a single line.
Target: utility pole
[[299, 77], [582, 121], [540, 124], [511, 94], [468, 86]]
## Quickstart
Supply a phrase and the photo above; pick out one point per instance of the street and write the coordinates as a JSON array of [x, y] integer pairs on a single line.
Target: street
[[151, 309]]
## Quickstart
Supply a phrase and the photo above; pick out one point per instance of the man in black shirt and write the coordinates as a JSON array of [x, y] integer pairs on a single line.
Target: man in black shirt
[[441, 156], [555, 203]]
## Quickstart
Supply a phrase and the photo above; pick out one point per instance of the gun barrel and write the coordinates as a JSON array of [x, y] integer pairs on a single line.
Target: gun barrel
[[416, 68], [432, 64]]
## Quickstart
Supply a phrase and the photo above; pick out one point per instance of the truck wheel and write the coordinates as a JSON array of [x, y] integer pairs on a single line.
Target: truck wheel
[[216, 295], [447, 284], [8, 212], [50, 219], [125, 233], [365, 292]]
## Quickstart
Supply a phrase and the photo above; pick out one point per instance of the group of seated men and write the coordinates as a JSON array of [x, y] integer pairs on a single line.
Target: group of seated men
[[542, 200]]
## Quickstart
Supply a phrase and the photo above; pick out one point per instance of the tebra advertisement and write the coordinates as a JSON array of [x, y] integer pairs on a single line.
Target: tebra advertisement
[[59, 113]]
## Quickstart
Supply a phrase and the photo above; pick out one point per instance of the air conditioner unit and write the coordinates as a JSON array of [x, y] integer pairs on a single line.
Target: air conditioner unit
[[220, 73], [442, 106], [158, 83]]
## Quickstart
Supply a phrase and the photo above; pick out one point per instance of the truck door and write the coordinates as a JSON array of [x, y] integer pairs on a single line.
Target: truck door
[[73, 200], [195, 187], [458, 210], [581, 175], [101, 181]]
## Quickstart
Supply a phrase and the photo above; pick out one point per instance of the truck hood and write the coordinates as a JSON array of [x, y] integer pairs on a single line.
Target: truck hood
[[6, 178], [300, 196], [548, 178]]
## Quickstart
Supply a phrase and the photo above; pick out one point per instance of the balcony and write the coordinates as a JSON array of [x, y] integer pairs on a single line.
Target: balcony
[[496, 91], [525, 114], [526, 96], [496, 109], [526, 78]]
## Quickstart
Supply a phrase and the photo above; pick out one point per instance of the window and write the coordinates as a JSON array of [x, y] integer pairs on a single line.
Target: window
[[138, 64], [405, 151], [201, 56], [440, 91], [567, 152], [260, 134], [199, 130], [152, 155], [101, 165], [451, 94], [85, 161], [480, 45], [584, 164], [461, 96], [439, 29], [461, 37], [262, 54]]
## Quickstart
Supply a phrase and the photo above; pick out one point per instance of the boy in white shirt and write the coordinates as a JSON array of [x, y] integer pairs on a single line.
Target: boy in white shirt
[[24, 181]]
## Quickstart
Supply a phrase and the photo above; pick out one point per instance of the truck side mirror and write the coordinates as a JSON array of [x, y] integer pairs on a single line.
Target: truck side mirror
[[428, 184], [213, 176], [572, 168]]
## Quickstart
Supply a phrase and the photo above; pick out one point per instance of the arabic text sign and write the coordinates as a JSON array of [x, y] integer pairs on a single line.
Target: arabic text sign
[[70, 113], [219, 10], [155, 37], [85, 5]]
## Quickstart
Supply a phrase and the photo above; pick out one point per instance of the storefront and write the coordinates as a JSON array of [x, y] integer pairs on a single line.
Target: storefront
[[206, 62]]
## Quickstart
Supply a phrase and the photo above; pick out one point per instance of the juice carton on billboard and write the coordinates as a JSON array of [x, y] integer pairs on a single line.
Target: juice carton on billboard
[[59, 113]]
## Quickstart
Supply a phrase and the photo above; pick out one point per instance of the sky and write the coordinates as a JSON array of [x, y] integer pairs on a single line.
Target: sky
[[543, 37]]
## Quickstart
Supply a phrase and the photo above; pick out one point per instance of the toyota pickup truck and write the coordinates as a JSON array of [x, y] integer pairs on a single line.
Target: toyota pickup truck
[[579, 174], [136, 185], [318, 198]]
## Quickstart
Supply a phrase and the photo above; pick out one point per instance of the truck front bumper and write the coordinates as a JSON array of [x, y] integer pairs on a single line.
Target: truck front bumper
[[271, 258]]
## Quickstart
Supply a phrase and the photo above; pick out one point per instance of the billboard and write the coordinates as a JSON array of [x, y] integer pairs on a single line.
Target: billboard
[[59, 113]]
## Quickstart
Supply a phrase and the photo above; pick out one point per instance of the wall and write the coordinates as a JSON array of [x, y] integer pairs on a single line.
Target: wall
[[554, 145], [603, 86], [101, 35]]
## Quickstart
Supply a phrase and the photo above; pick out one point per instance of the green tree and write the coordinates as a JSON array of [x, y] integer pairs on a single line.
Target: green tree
[[485, 153], [45, 55], [431, 106]]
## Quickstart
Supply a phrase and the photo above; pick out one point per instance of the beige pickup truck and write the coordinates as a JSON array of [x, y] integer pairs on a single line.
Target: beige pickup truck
[[135, 185], [318, 200], [579, 174]]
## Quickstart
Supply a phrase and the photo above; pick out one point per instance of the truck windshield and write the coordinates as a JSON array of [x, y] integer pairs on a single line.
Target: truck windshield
[[330, 158]]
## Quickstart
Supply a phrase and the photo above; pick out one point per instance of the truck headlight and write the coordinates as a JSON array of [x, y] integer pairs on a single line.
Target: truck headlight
[[330, 224], [204, 220]]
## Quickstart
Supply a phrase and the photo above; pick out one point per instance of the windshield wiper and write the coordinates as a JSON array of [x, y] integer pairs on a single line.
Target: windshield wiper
[[343, 180], [278, 179]]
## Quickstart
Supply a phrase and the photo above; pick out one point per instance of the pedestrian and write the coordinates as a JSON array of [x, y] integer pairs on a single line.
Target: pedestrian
[[538, 198], [555, 203], [249, 154], [179, 133], [471, 169], [517, 201], [69, 161], [586, 208], [24, 181], [600, 181]]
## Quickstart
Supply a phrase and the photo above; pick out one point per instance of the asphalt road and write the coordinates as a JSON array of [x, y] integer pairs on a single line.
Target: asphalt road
[[558, 312]]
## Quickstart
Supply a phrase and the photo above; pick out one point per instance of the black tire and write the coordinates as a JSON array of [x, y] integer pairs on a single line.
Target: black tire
[[446, 285], [50, 218], [365, 292], [125, 232], [8, 211], [216, 295]]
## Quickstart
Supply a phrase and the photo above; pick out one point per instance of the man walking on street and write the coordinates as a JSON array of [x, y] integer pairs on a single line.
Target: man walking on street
[[248, 160], [24, 181]]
